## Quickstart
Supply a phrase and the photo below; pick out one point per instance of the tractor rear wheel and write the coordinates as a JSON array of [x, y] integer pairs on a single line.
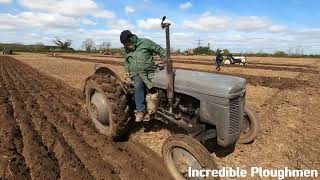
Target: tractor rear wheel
[[182, 152], [250, 128], [107, 105]]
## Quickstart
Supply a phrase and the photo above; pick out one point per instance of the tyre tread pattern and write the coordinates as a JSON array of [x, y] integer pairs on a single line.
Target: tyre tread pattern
[[117, 101]]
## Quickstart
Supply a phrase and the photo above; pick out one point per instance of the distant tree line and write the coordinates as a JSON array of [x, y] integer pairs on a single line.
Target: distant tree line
[[88, 45], [206, 51], [279, 54], [39, 47]]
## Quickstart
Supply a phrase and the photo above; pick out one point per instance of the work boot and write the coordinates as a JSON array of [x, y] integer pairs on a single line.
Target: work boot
[[152, 100], [140, 116]]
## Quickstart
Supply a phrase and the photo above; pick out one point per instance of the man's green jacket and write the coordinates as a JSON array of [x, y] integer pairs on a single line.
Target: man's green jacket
[[139, 60]]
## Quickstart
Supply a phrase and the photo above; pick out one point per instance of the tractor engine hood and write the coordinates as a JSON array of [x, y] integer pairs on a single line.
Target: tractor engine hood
[[201, 82]]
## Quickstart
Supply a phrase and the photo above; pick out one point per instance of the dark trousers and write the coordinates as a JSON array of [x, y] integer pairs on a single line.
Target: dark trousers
[[218, 62], [139, 93]]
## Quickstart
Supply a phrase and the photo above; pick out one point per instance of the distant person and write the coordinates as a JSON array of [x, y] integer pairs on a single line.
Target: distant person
[[219, 59]]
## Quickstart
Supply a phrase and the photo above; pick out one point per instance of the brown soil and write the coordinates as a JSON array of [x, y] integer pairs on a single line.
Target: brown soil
[[118, 60], [287, 104], [45, 134], [209, 60], [277, 68], [274, 82], [279, 64]]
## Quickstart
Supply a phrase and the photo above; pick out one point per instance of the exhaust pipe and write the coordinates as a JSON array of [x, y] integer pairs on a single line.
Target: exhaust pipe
[[169, 68]]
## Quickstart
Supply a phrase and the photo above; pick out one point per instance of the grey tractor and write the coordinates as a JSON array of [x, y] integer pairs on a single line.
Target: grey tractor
[[206, 106]]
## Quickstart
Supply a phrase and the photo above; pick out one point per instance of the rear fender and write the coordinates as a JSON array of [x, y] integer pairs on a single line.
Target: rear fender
[[105, 71]]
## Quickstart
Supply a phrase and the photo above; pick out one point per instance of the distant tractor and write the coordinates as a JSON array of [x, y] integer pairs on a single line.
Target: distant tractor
[[241, 60], [7, 51]]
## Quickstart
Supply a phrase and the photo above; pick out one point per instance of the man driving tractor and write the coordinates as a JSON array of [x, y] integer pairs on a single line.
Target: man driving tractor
[[140, 67]]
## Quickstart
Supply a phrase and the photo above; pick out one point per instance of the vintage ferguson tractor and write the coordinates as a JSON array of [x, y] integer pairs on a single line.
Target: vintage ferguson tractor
[[206, 106], [241, 60], [7, 51]]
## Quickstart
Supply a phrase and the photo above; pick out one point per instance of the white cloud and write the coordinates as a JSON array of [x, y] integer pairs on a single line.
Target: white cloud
[[88, 22], [268, 42], [129, 10], [307, 35], [5, 1], [6, 27], [98, 36], [45, 20], [120, 24], [185, 6], [207, 13], [248, 33], [68, 7], [151, 23], [277, 28], [256, 23], [102, 34], [212, 23], [310, 31], [181, 39], [36, 20], [207, 22], [27, 38], [50, 25], [251, 23]]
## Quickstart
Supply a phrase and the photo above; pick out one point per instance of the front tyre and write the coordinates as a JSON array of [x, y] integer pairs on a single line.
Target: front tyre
[[107, 105], [250, 128], [181, 152]]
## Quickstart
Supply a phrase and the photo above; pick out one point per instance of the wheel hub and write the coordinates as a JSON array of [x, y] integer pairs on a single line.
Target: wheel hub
[[99, 109], [246, 125], [94, 111], [183, 160]]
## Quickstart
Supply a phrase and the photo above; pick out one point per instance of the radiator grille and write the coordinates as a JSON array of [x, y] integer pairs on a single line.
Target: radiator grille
[[235, 114]]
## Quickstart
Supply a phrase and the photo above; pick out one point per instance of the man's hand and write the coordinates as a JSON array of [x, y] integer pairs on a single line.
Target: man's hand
[[125, 75]]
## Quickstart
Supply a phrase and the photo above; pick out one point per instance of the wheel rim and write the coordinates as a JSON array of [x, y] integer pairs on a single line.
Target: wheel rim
[[98, 107], [181, 160], [246, 125]]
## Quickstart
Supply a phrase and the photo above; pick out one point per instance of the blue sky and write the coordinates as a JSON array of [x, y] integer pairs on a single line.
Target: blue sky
[[239, 25]]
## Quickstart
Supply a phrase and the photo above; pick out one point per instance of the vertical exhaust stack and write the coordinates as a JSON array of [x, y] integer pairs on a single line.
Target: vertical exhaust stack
[[169, 69]]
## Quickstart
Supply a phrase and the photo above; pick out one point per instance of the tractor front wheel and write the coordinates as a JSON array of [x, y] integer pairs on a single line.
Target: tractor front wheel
[[250, 128], [182, 153]]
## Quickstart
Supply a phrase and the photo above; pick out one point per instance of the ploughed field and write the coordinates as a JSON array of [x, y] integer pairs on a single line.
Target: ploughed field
[[45, 131], [45, 134]]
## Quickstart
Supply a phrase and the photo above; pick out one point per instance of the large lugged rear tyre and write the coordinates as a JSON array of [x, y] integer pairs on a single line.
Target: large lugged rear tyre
[[107, 105], [181, 152], [251, 127]]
